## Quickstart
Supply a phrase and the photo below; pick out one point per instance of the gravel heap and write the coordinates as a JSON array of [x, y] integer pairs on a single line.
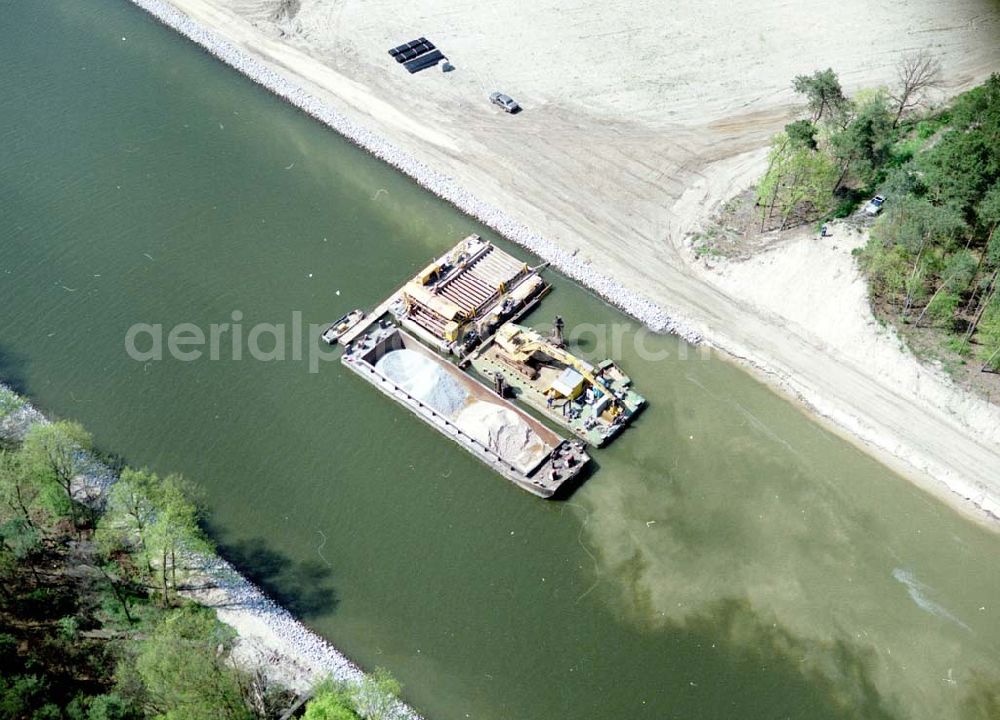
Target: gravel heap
[[425, 380], [504, 432], [632, 303]]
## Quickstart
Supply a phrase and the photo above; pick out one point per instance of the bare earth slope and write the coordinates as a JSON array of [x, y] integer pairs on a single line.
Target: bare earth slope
[[639, 119]]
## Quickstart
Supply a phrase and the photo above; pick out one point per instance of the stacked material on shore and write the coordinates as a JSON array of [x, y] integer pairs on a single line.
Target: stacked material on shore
[[576, 267]]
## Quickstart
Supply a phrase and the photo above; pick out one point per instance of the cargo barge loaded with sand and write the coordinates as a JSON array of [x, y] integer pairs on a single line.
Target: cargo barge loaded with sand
[[507, 439], [464, 306]]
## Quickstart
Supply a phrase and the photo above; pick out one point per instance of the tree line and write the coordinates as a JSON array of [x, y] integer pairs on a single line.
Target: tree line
[[933, 256], [826, 161], [92, 623]]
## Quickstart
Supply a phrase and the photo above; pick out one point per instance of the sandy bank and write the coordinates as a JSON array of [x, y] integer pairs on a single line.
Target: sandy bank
[[813, 287], [616, 159]]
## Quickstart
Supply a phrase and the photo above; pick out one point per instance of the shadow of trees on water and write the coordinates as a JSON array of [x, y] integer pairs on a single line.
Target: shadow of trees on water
[[304, 588]]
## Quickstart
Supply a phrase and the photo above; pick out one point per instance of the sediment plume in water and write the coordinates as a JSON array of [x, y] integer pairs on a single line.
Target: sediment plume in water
[[632, 303]]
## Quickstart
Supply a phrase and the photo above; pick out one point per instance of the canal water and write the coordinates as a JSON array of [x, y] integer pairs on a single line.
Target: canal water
[[729, 558]]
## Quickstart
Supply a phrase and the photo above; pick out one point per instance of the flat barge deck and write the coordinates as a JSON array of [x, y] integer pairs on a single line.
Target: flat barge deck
[[510, 441], [459, 300], [594, 402]]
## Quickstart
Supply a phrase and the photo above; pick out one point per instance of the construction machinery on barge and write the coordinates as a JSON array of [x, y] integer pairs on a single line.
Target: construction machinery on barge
[[594, 402], [465, 306]]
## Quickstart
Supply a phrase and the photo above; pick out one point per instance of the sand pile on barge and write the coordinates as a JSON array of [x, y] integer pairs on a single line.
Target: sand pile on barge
[[424, 380], [503, 432], [492, 425]]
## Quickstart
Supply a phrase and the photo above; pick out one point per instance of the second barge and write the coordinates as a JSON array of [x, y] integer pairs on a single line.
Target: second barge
[[510, 441], [595, 403]]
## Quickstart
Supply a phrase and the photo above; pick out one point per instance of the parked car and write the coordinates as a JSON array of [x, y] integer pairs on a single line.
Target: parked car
[[505, 102], [874, 206]]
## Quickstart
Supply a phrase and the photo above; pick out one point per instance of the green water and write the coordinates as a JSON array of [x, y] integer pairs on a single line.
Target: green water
[[728, 559]]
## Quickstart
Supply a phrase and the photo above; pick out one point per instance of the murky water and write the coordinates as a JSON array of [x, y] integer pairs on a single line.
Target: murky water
[[728, 559]]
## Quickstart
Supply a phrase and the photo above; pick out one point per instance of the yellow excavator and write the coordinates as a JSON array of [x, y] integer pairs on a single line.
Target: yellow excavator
[[521, 343]]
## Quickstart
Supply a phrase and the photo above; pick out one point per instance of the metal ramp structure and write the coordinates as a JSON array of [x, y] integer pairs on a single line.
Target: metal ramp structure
[[463, 290]]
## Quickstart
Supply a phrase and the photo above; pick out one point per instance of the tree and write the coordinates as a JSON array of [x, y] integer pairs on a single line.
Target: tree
[[965, 163], [10, 403], [959, 270], [802, 134], [185, 669], [988, 214], [862, 147], [130, 511], [796, 178], [101, 707], [19, 489], [988, 336], [377, 695], [916, 73], [56, 451], [330, 701], [823, 93], [914, 225], [174, 531]]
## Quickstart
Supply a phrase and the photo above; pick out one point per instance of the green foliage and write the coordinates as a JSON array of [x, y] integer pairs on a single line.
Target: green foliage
[[10, 402], [54, 452], [903, 182], [888, 266], [69, 628], [942, 307], [172, 666], [988, 210], [916, 223], [959, 271], [110, 706], [129, 513], [988, 213], [184, 668], [20, 693], [965, 163], [377, 695], [926, 129], [988, 336], [802, 134], [331, 701], [942, 217], [797, 178], [863, 146], [824, 96], [175, 529]]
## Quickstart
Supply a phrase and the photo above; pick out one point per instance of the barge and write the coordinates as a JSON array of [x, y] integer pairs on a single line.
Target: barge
[[458, 301], [594, 402], [510, 441]]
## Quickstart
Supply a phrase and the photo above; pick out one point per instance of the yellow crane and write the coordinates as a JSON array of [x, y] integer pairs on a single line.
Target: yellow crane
[[520, 343]]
